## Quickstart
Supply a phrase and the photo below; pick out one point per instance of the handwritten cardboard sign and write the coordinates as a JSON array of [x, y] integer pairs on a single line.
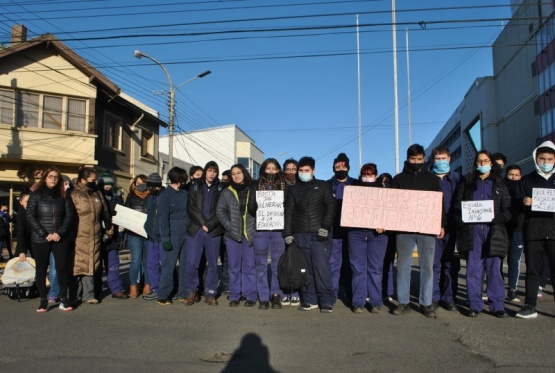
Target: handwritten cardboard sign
[[392, 209], [477, 211], [543, 199], [130, 219], [269, 215]]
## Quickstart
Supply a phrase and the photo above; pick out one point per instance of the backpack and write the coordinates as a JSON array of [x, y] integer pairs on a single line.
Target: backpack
[[292, 272]]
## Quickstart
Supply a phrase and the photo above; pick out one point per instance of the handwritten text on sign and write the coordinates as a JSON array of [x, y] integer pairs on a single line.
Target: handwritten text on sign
[[392, 209], [269, 215], [477, 211], [543, 199], [130, 219]]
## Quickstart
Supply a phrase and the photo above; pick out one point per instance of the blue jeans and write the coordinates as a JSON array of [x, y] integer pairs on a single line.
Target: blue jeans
[[169, 263], [516, 247], [53, 278], [138, 246], [425, 244]]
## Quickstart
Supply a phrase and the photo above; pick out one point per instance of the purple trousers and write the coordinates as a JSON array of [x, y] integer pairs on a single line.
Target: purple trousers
[[336, 259], [154, 263], [112, 272], [202, 241], [366, 253], [443, 271], [242, 271], [475, 263], [264, 243]]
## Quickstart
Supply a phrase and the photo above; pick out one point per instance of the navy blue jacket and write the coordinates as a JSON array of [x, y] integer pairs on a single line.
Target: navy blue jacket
[[152, 225], [172, 216]]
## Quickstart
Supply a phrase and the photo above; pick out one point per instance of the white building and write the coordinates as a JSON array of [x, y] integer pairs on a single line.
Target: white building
[[226, 145]]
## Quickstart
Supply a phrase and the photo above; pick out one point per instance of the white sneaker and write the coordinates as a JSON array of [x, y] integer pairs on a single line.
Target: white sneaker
[[285, 301], [540, 294], [295, 301], [65, 308], [308, 307]]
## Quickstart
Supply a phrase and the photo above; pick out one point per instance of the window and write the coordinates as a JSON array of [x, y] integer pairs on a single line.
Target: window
[[28, 110], [76, 115], [475, 134], [52, 112], [6, 106], [147, 144], [245, 162], [112, 131], [255, 170]]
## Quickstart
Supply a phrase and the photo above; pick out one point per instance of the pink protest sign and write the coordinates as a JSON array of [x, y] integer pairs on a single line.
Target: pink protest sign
[[392, 209]]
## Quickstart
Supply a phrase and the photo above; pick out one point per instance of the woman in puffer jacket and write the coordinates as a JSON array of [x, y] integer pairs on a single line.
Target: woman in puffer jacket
[[50, 215]]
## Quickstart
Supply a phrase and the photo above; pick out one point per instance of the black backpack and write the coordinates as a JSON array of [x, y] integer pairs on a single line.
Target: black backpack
[[292, 272]]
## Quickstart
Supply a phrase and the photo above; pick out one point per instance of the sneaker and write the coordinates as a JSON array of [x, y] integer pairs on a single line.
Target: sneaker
[[401, 309], [449, 306], [358, 309], [276, 302], [43, 306], [52, 300], [285, 300], [92, 301], [307, 307], [484, 296], [326, 308], [151, 296], [527, 312], [251, 303], [164, 302], [263, 305], [511, 296], [540, 294], [428, 311], [375, 309], [234, 303], [295, 301], [64, 306]]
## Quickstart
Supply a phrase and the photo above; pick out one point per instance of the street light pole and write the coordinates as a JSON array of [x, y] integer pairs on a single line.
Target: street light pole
[[139, 54]]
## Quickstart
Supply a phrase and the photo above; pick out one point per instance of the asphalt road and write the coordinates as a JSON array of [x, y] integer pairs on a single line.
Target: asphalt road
[[142, 336]]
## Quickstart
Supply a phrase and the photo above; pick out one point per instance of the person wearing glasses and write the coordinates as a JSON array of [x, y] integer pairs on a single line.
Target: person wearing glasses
[[51, 214], [484, 244]]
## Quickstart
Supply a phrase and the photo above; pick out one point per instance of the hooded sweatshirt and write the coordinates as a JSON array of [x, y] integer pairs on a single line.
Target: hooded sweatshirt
[[538, 225]]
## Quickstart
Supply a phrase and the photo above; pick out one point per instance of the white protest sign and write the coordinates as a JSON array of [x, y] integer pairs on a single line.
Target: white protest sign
[[477, 211], [269, 215], [130, 219], [543, 199]]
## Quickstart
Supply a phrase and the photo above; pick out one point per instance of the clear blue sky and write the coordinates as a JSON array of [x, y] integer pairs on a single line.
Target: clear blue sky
[[284, 71]]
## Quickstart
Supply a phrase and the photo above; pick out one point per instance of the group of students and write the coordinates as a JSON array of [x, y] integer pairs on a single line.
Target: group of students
[[190, 225]]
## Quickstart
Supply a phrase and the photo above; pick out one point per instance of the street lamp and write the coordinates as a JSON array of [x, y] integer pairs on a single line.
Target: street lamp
[[138, 54]]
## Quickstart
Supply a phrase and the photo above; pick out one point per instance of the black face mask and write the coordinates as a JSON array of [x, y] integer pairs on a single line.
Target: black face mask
[[415, 166], [340, 175], [91, 185]]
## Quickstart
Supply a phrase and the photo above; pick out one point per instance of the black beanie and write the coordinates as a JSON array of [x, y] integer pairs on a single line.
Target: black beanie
[[154, 180], [341, 157]]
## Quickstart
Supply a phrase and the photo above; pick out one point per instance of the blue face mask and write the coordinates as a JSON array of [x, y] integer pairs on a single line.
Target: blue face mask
[[483, 169], [305, 176], [546, 167], [441, 167]]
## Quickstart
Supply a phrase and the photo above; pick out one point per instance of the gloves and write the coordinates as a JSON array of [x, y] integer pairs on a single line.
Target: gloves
[[167, 246], [288, 240], [322, 235]]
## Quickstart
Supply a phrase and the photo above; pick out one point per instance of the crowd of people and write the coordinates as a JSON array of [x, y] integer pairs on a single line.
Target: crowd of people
[[66, 225]]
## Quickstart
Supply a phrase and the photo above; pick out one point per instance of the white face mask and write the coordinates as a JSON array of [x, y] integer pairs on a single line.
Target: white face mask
[[305, 176], [369, 179]]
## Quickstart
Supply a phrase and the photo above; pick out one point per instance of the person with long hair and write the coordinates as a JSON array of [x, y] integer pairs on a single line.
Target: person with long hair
[[268, 241], [232, 212], [484, 244], [137, 244], [51, 214]]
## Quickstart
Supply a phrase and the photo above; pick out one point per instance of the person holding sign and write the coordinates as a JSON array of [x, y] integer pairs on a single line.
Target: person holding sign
[[416, 177], [309, 212], [268, 237], [232, 212], [539, 225], [484, 243], [367, 249]]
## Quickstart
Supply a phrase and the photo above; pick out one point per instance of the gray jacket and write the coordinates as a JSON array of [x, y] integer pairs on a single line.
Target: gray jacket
[[228, 212]]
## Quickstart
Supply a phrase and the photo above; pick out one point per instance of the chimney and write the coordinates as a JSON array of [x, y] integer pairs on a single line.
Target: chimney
[[19, 34]]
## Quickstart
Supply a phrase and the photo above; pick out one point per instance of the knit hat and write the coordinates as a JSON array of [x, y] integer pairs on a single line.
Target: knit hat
[[106, 178], [341, 158], [154, 180]]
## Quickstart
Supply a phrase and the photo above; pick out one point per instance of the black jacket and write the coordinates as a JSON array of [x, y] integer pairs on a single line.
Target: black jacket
[[309, 206], [498, 237], [538, 225], [23, 233], [420, 179], [195, 207], [48, 212], [136, 203]]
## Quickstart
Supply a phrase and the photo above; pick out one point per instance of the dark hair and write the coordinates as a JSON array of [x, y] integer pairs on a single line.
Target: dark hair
[[60, 183], [544, 149], [194, 169], [307, 161], [440, 150], [270, 161], [415, 149], [226, 173], [142, 177], [177, 175], [384, 176], [370, 168], [473, 176], [24, 192], [84, 173], [513, 167], [246, 175], [499, 157], [290, 160]]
